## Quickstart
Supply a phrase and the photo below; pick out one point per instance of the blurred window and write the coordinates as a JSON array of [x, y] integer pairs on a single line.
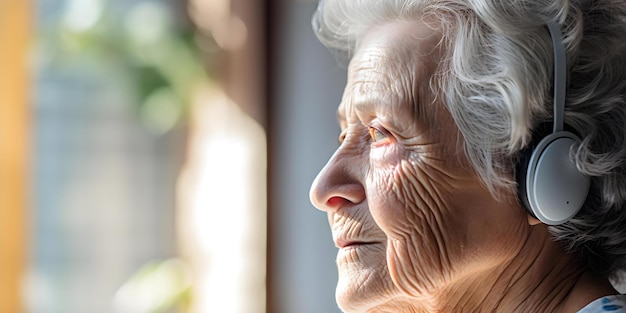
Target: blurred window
[[106, 162]]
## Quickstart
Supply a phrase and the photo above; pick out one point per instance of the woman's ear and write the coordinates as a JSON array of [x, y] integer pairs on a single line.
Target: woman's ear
[[532, 221]]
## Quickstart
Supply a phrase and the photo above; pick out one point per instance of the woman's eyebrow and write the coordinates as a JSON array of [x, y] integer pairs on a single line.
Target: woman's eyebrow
[[364, 103], [367, 105], [341, 116]]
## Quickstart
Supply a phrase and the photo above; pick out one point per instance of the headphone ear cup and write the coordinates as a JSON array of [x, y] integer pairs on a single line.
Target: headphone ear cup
[[521, 171], [554, 188]]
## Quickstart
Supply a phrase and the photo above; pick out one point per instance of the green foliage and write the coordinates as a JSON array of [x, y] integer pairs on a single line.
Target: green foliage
[[142, 44]]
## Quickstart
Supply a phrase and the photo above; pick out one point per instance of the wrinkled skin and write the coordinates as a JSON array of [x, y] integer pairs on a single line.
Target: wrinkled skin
[[414, 226]]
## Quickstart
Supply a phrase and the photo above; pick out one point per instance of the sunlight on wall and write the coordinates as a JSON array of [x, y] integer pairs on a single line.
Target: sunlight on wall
[[222, 207]]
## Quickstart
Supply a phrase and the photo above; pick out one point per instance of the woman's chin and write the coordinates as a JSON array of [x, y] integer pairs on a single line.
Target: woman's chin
[[364, 280], [352, 297], [367, 296]]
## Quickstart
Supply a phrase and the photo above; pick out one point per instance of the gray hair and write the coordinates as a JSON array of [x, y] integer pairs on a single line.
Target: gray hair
[[497, 67]]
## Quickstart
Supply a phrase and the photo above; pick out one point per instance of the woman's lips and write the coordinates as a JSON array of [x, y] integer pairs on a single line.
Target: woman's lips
[[345, 243]]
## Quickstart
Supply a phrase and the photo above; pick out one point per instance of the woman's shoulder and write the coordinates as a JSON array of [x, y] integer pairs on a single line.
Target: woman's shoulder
[[614, 304]]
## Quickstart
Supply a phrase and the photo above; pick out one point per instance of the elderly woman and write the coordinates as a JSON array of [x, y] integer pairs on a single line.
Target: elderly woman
[[482, 156]]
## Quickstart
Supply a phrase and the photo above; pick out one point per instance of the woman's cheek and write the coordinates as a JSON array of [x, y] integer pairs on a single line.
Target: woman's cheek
[[391, 190], [404, 204]]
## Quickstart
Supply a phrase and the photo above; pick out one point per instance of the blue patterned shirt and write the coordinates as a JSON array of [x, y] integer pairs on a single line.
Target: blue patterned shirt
[[613, 304]]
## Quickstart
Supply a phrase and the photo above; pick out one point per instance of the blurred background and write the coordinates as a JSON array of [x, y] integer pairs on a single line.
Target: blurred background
[[156, 156]]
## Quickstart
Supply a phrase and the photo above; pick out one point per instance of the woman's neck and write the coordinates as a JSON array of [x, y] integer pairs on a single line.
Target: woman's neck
[[541, 278]]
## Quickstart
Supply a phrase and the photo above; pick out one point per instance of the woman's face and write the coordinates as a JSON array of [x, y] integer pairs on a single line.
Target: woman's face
[[406, 210]]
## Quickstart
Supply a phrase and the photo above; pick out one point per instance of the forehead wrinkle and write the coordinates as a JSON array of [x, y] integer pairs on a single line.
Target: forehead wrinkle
[[378, 80], [390, 74]]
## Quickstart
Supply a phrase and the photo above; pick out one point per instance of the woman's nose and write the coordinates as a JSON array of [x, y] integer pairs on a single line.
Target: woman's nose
[[338, 184]]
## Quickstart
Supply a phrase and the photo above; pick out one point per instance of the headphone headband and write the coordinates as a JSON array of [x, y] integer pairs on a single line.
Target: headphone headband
[[560, 75]]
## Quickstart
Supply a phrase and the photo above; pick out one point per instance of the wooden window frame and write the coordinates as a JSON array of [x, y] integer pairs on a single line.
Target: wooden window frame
[[15, 37]]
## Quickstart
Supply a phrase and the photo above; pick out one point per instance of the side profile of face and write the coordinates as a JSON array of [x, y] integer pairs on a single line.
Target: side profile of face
[[409, 215]]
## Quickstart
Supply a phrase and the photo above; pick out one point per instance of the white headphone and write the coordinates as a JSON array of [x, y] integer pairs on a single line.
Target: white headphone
[[550, 186]]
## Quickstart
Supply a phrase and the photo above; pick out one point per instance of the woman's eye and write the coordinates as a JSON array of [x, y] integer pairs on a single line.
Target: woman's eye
[[378, 136]]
